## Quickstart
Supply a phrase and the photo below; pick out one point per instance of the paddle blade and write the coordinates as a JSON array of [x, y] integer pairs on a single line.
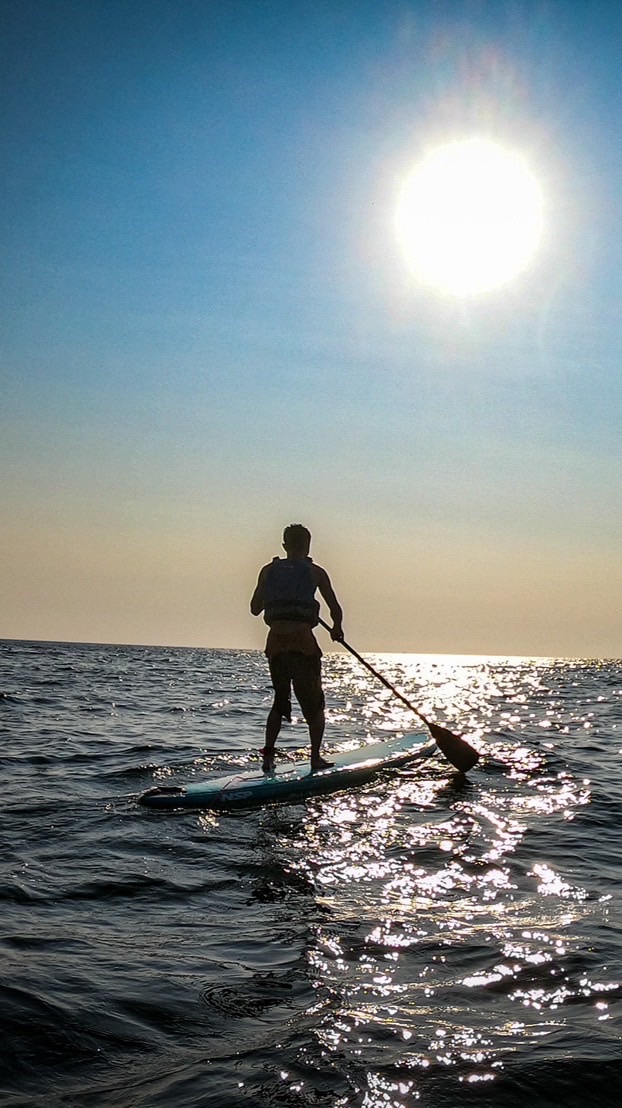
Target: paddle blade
[[456, 749]]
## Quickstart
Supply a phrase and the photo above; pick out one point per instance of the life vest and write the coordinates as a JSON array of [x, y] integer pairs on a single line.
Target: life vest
[[289, 592]]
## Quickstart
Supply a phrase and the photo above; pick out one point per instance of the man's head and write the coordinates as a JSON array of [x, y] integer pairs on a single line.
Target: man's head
[[296, 539]]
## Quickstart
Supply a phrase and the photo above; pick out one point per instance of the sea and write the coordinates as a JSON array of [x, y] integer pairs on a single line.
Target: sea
[[429, 939]]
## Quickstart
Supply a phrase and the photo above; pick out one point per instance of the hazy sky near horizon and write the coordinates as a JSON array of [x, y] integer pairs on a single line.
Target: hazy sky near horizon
[[208, 329]]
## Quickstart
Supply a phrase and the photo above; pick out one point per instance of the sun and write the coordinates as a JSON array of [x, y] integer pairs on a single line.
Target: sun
[[469, 217]]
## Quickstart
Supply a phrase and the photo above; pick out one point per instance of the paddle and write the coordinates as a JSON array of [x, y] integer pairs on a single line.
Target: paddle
[[456, 749]]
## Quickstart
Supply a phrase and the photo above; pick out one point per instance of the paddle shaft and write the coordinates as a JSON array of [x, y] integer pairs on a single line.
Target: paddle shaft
[[456, 749], [380, 677]]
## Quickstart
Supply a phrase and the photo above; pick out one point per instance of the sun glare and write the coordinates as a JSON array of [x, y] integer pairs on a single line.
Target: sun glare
[[469, 217]]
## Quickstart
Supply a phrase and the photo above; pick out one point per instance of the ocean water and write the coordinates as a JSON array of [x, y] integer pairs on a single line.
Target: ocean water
[[426, 940]]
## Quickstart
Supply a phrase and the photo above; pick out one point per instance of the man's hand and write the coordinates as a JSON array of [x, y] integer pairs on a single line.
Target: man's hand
[[336, 633]]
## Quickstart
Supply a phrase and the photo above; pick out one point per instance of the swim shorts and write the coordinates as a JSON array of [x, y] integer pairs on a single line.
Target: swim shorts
[[303, 672]]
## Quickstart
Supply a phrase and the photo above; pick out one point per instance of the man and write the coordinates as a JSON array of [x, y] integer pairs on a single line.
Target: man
[[285, 593]]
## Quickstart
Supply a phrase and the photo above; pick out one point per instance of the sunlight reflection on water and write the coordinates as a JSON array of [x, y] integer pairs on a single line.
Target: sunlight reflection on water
[[418, 938], [435, 906], [452, 913]]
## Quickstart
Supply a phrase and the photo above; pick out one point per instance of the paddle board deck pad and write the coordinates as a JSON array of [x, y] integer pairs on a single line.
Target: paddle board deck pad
[[292, 782]]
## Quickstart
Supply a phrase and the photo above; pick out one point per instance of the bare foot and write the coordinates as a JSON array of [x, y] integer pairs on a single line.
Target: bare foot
[[267, 765], [320, 763]]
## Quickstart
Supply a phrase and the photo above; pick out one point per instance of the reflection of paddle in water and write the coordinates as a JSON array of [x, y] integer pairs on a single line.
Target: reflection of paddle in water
[[456, 749]]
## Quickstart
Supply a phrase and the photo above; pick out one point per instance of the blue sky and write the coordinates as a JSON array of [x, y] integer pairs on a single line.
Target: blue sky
[[208, 330]]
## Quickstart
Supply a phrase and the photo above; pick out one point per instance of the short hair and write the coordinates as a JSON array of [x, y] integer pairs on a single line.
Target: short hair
[[296, 537]]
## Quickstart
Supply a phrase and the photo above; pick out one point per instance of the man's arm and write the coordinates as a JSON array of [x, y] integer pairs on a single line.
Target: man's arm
[[328, 594], [257, 599]]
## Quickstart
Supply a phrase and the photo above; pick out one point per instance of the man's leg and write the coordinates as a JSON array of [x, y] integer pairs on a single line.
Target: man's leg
[[307, 680], [280, 710], [273, 726], [316, 734]]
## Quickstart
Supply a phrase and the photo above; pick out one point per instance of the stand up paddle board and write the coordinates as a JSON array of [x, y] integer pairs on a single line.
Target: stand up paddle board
[[292, 781]]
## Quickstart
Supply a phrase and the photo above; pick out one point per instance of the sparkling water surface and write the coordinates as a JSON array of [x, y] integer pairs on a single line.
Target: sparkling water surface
[[426, 940]]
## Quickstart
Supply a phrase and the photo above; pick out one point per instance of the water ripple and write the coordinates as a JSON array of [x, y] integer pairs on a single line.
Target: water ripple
[[426, 939]]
